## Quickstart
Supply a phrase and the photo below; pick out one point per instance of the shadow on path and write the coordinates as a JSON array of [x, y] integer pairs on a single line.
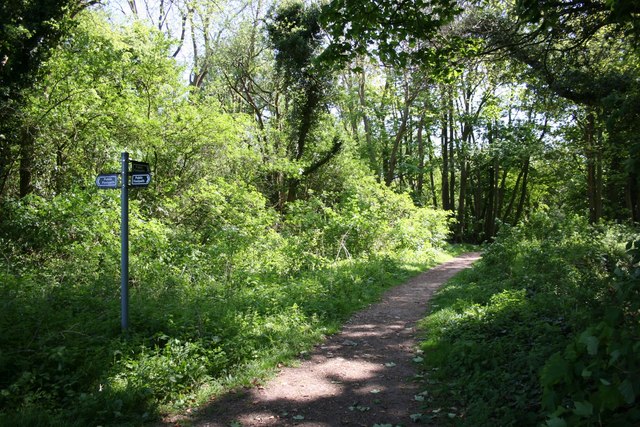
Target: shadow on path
[[359, 377]]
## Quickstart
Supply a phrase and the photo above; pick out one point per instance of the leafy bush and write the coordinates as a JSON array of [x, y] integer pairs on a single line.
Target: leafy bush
[[171, 370], [597, 376], [368, 218], [220, 286], [492, 330]]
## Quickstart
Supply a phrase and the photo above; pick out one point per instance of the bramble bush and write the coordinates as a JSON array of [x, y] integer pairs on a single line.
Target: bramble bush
[[368, 219]]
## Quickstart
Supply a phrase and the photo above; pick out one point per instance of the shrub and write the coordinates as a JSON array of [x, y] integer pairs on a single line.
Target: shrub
[[219, 285], [493, 331], [368, 218], [597, 376]]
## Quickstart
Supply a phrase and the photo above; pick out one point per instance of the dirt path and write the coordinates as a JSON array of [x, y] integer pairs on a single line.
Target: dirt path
[[361, 376]]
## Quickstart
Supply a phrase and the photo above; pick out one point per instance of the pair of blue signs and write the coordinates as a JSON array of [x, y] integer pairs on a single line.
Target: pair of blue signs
[[132, 174], [140, 176]]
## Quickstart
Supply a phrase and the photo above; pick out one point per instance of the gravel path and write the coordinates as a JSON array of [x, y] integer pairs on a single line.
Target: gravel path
[[362, 376]]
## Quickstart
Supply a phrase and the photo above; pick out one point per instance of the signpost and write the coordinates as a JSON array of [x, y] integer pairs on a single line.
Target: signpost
[[140, 176], [107, 180], [139, 167], [140, 179]]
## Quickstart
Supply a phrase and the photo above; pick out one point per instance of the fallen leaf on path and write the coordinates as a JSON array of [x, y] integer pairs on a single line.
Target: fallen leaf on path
[[416, 417], [357, 407]]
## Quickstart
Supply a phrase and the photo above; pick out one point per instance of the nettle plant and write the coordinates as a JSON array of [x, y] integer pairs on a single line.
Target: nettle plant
[[596, 379]]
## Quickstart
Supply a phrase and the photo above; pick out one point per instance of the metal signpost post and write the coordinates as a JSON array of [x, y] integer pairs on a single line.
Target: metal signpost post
[[124, 242], [140, 176]]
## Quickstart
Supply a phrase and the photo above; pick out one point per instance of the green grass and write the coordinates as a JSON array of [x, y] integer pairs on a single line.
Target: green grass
[[222, 290], [186, 343]]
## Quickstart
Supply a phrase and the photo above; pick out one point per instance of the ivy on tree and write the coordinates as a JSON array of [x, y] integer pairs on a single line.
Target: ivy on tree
[[295, 33]]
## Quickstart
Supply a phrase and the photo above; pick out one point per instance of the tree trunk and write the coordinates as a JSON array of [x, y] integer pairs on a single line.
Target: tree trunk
[[452, 166], [633, 196], [500, 193], [420, 177], [489, 213], [514, 194], [371, 151], [489, 217], [445, 163], [26, 161], [294, 183], [5, 163], [395, 150], [523, 191], [478, 206], [393, 156], [594, 170], [432, 183], [460, 226]]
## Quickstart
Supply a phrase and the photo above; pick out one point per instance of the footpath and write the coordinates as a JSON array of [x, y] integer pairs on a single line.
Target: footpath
[[363, 376]]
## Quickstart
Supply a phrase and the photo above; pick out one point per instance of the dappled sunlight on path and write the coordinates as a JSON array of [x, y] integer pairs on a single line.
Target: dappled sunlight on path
[[361, 376]]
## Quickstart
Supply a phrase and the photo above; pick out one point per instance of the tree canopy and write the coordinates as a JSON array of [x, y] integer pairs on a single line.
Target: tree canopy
[[304, 156]]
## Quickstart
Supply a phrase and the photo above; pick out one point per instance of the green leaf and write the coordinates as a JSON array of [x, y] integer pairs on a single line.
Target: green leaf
[[615, 355], [626, 389], [298, 417], [357, 407], [609, 397], [555, 370], [556, 422], [416, 417], [590, 341], [583, 409]]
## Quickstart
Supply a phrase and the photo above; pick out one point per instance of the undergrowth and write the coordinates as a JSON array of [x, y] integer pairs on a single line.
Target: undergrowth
[[222, 289], [543, 330]]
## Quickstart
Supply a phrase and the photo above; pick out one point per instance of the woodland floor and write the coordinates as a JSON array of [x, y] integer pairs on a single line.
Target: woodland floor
[[361, 376]]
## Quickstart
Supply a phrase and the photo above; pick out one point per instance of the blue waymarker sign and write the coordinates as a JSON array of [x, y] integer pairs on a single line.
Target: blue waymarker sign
[[107, 180], [140, 179]]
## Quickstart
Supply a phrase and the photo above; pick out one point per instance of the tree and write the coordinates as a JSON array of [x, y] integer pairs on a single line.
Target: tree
[[112, 88], [29, 30], [583, 52], [295, 34], [396, 32]]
